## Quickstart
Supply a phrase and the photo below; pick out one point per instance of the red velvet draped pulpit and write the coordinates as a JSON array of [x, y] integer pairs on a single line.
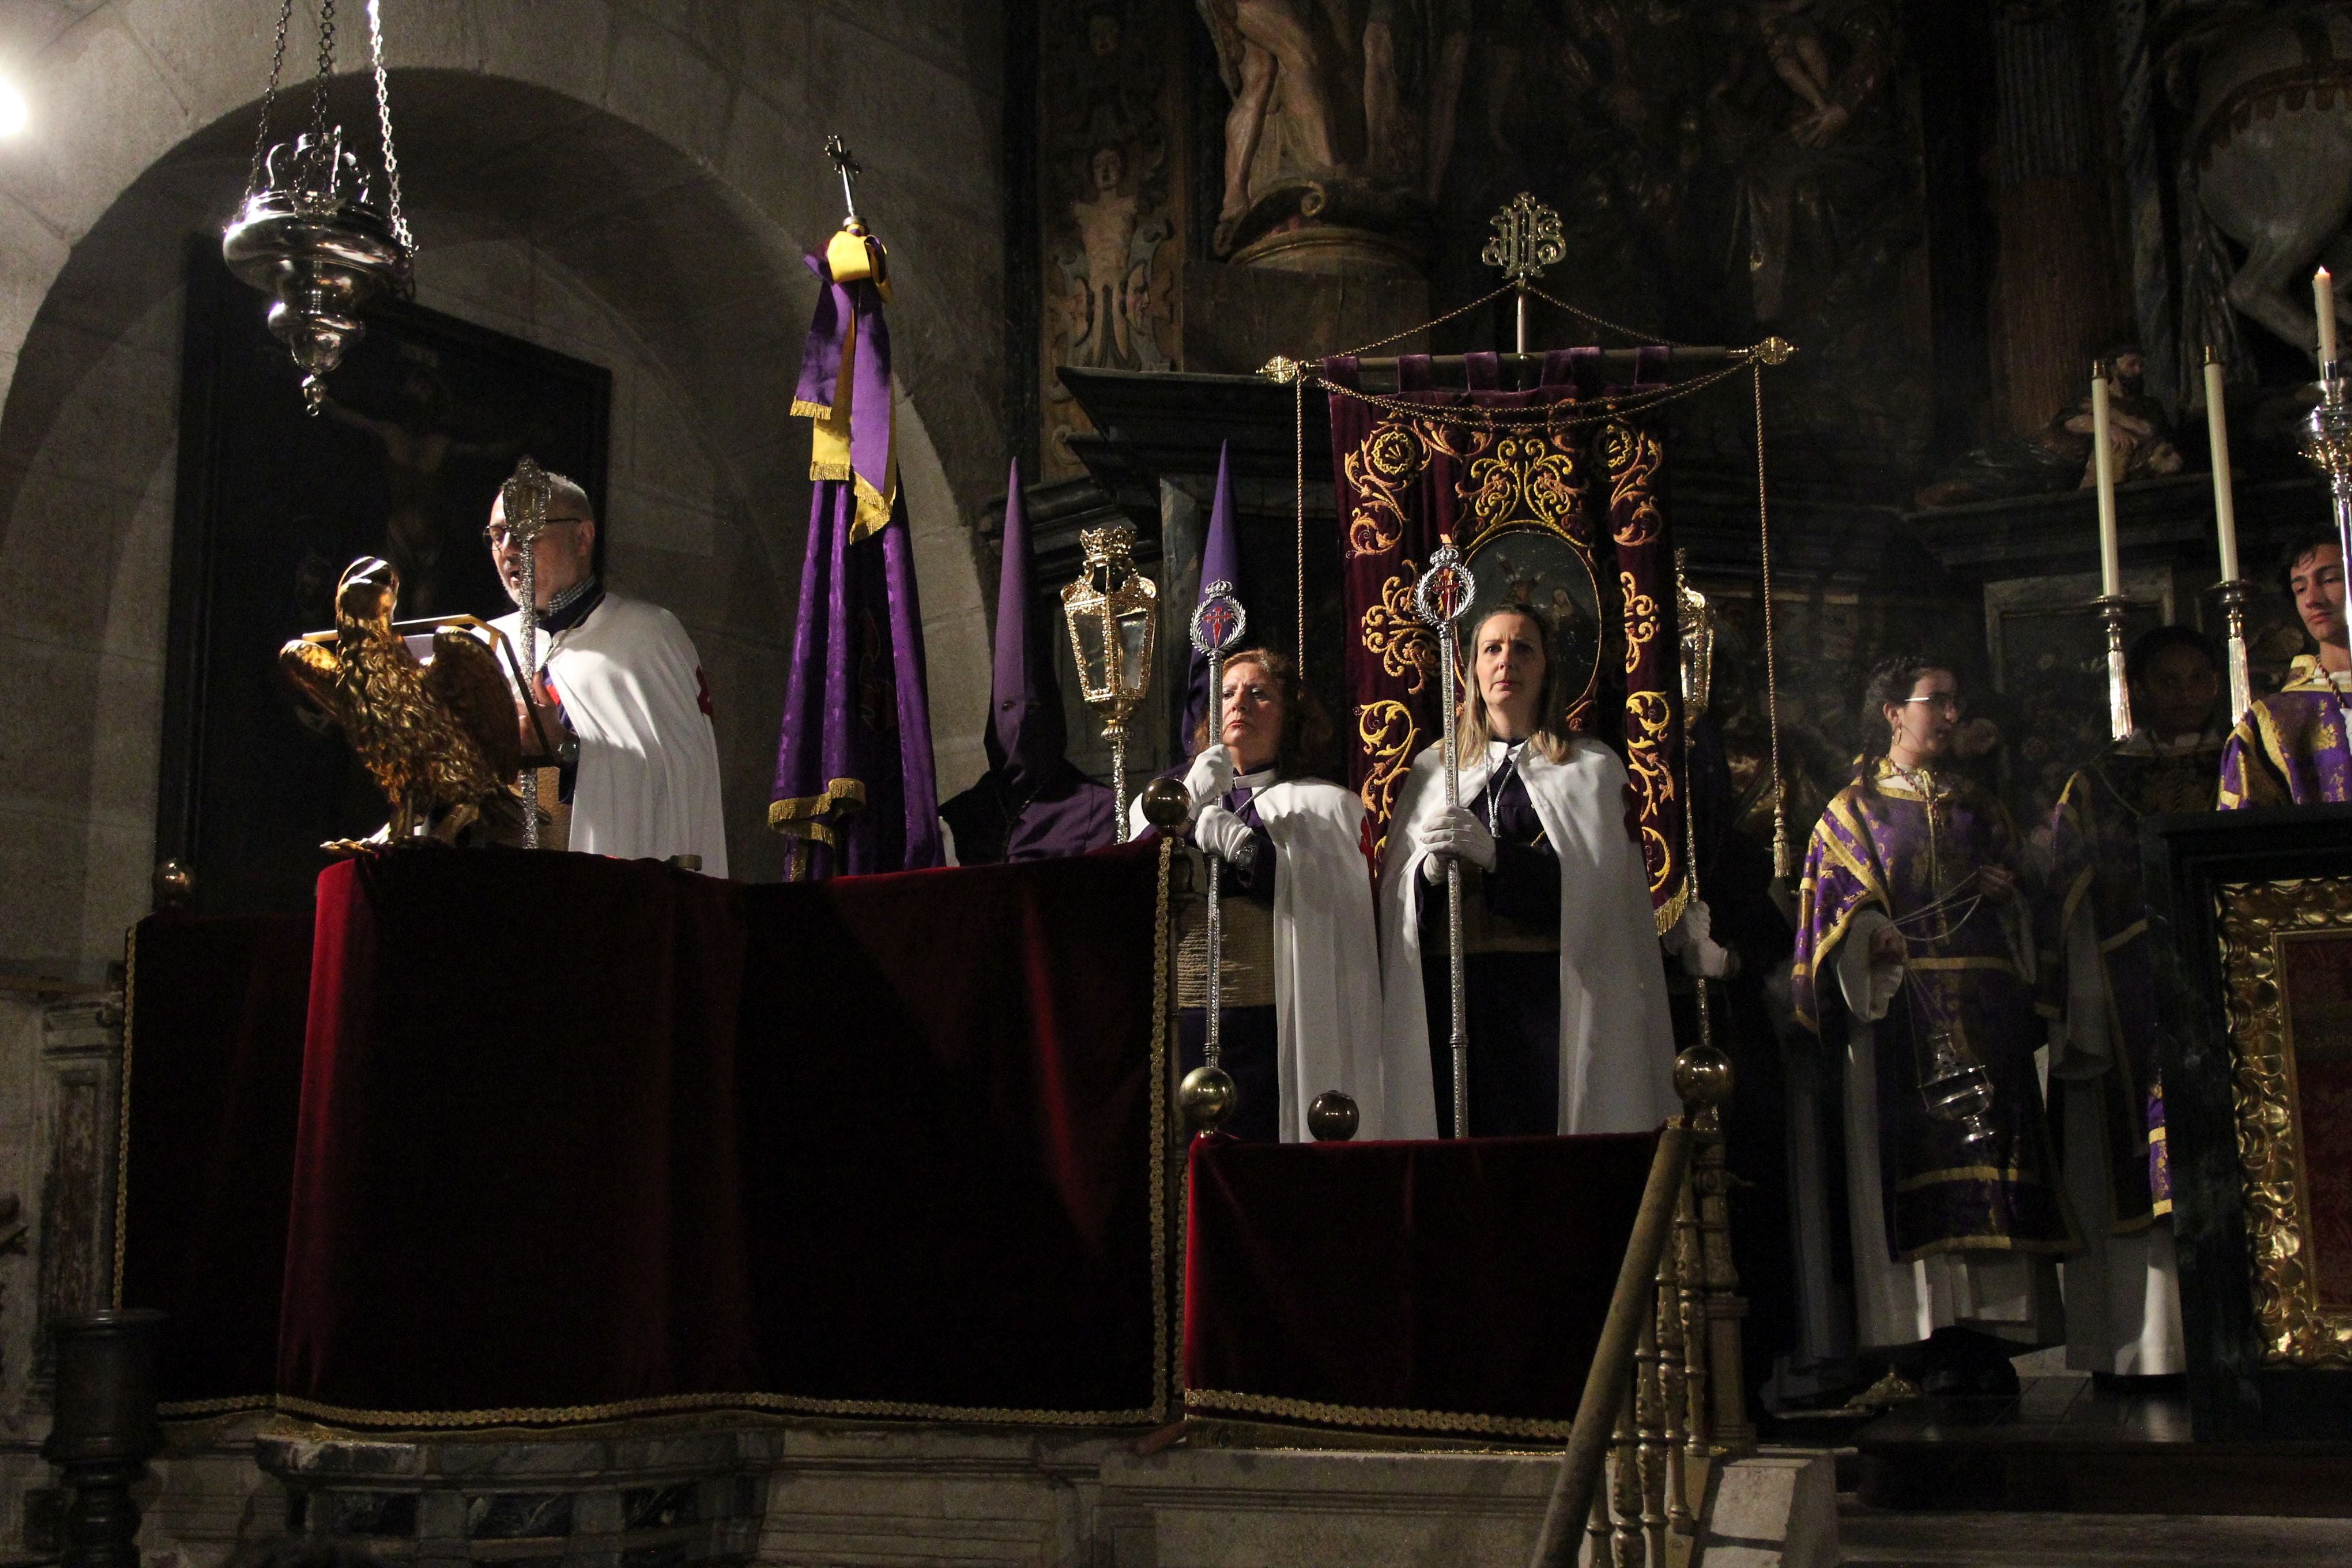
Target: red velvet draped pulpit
[[580, 1138], [1438, 1286]]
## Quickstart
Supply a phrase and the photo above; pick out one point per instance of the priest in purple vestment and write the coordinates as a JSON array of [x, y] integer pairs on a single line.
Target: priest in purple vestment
[[1912, 946], [1032, 803], [2292, 749], [2123, 1293]]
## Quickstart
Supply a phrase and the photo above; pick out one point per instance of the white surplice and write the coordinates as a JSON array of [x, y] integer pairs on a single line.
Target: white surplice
[[631, 688], [1616, 1035]]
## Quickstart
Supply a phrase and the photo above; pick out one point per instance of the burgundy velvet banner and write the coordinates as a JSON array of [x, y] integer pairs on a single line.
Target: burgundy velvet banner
[[1437, 1286], [580, 1139], [212, 1048], [1417, 466]]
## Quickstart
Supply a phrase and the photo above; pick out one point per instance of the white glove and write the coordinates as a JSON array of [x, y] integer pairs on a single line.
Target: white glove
[[1693, 941], [1220, 833], [1210, 778], [1456, 835]]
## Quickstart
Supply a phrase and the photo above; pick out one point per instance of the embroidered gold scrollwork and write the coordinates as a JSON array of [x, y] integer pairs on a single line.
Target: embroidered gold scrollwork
[[1641, 622], [1633, 456], [1649, 723], [1395, 634], [1390, 737], [1383, 468], [1526, 480]]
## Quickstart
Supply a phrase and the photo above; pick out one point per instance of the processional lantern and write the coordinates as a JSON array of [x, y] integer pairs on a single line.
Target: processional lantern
[[320, 230], [1113, 611]]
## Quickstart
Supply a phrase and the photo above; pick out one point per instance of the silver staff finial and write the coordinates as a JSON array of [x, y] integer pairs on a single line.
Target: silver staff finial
[[847, 168]]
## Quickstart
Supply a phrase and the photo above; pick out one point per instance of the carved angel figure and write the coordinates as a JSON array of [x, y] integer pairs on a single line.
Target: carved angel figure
[[441, 740]]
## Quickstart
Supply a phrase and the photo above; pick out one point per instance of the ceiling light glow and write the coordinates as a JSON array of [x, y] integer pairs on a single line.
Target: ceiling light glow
[[13, 113]]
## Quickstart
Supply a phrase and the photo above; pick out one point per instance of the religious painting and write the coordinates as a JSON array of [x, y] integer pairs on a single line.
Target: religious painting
[[1536, 566], [2286, 955], [425, 418], [1110, 205]]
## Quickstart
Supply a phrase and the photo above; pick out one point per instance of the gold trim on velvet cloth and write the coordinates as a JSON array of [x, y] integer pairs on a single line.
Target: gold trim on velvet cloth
[[805, 815], [2257, 920], [1233, 1403], [1165, 1375]]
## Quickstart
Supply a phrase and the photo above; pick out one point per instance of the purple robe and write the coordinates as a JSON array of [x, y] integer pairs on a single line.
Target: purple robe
[[1032, 803], [1881, 844], [2291, 749], [2096, 863]]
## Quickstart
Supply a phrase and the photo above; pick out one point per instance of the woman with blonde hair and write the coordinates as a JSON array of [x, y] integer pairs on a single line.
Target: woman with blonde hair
[[1568, 1022]]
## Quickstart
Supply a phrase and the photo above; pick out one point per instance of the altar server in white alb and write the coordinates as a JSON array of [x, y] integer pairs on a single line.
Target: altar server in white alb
[[620, 676], [1300, 1004], [1568, 1028]]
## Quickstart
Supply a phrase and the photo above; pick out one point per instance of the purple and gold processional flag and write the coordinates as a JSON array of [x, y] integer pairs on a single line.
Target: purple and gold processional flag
[[855, 787], [1221, 562]]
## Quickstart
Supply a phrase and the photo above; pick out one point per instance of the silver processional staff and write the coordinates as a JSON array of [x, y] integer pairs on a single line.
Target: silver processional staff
[[1218, 622], [1442, 599]]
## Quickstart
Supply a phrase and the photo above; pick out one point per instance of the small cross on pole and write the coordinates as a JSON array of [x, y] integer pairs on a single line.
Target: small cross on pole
[[847, 168], [1526, 239]]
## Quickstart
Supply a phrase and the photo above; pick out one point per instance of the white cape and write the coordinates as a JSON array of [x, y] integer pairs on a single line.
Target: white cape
[[1327, 973], [1616, 1035], [631, 688]]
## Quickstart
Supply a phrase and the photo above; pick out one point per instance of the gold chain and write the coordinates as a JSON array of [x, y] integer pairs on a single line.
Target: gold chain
[[1782, 857], [1545, 416]]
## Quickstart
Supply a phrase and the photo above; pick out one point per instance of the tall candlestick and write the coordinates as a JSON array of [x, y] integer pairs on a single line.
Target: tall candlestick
[[2216, 431], [2323, 298], [2225, 530], [2103, 464]]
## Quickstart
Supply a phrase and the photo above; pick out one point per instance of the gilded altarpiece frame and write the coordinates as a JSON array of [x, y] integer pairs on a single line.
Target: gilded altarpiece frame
[[2286, 957]]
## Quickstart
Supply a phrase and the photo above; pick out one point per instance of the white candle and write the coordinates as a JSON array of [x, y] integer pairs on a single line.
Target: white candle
[[2102, 461], [2323, 298], [2216, 431]]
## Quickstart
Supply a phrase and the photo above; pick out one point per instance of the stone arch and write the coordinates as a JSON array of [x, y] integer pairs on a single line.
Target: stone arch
[[664, 226]]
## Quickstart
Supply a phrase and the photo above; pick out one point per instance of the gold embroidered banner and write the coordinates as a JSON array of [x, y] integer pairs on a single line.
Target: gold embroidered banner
[[1418, 467]]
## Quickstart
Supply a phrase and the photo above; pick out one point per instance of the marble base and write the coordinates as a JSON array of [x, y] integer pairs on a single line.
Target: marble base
[[792, 1493]]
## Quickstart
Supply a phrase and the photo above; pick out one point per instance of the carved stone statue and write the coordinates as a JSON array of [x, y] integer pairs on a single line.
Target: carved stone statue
[[2059, 456], [2267, 162], [1343, 118]]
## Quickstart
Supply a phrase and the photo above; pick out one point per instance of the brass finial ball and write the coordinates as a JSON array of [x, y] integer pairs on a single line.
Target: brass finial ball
[[174, 884], [1333, 1118], [1165, 804], [1206, 1098], [1703, 1076]]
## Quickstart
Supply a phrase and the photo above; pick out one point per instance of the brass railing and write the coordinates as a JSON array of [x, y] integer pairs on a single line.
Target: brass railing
[[1665, 1402]]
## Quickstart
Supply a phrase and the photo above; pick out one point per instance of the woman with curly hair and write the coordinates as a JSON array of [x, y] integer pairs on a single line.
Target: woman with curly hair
[[1913, 948], [1301, 980]]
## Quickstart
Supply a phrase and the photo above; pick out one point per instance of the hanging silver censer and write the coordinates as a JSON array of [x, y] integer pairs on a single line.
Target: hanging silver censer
[[319, 231]]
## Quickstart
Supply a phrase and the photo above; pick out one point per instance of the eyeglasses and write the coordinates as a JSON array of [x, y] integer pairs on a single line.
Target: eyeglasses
[[498, 535], [1948, 702]]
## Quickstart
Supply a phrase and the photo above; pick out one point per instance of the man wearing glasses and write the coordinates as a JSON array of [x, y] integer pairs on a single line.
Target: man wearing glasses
[[622, 699]]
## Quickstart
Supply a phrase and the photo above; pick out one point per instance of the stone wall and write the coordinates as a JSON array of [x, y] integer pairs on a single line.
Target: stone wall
[[632, 184]]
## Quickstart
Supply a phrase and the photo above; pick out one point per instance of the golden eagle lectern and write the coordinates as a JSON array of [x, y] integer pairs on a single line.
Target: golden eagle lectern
[[441, 739]]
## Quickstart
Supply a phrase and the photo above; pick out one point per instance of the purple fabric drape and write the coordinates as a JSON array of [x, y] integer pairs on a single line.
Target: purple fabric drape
[[856, 788]]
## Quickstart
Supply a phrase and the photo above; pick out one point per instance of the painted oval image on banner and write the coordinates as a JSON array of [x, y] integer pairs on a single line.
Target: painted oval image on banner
[[1536, 566]]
